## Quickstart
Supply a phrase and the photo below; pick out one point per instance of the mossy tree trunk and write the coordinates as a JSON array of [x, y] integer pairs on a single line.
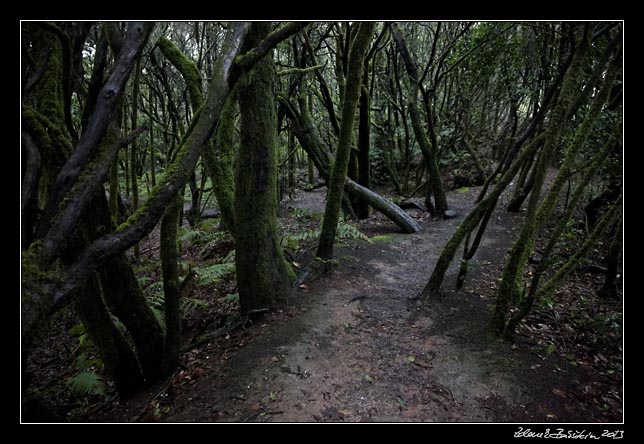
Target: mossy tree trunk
[[307, 133], [171, 288], [515, 264], [364, 133], [547, 207], [291, 163], [434, 285], [120, 361], [351, 97], [310, 177], [134, 151], [45, 284], [263, 275], [435, 185], [219, 162], [526, 305], [126, 300], [217, 154], [49, 279]]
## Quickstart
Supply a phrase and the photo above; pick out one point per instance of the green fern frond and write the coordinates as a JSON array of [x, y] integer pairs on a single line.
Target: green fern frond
[[189, 304], [234, 297], [86, 383], [229, 258], [346, 231], [188, 235], [214, 273]]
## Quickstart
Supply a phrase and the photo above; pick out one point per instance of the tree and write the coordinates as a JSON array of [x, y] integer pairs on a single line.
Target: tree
[[351, 96], [427, 147], [263, 275], [72, 247]]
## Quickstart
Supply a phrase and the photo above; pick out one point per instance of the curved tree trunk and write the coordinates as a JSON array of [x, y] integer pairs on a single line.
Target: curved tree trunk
[[435, 185], [217, 153], [538, 213], [309, 138], [117, 356]]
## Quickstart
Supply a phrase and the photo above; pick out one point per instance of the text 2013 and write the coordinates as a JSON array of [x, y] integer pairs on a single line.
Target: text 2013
[[567, 434]]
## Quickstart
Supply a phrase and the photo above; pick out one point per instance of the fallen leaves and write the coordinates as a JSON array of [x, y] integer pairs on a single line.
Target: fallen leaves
[[560, 393]]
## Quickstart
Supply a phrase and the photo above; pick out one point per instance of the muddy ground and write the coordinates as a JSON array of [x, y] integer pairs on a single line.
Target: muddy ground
[[354, 346]]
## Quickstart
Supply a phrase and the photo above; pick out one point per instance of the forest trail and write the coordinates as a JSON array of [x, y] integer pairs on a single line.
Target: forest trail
[[356, 348]]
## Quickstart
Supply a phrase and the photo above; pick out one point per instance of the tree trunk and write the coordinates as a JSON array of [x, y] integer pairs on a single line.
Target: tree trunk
[[311, 172], [134, 152], [526, 305], [117, 356], [523, 187], [195, 205], [171, 292], [339, 172], [364, 131], [263, 276], [291, 164], [509, 290], [125, 298], [219, 163], [609, 288], [433, 287], [435, 185], [306, 132]]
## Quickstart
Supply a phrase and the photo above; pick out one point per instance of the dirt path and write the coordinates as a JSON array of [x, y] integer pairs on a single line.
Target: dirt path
[[357, 348]]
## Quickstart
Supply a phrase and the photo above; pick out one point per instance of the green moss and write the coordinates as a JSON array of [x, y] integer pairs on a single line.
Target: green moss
[[186, 67], [263, 275], [383, 238], [219, 160], [462, 190], [48, 92], [35, 271], [343, 152], [512, 276]]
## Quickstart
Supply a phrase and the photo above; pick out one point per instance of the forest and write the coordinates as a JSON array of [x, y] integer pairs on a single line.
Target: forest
[[321, 221]]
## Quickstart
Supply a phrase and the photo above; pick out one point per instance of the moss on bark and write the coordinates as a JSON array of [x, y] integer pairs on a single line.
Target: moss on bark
[[119, 359], [126, 300], [217, 155], [171, 292], [186, 67], [509, 288], [433, 287], [340, 165], [219, 161], [263, 276]]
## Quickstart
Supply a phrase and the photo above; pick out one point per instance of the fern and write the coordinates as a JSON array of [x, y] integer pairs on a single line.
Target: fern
[[192, 236], [83, 362], [144, 280], [229, 258], [346, 231], [189, 304], [159, 315], [86, 383], [214, 273], [202, 235], [234, 297]]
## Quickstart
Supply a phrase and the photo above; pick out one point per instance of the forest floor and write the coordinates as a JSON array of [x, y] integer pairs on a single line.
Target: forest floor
[[355, 347]]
